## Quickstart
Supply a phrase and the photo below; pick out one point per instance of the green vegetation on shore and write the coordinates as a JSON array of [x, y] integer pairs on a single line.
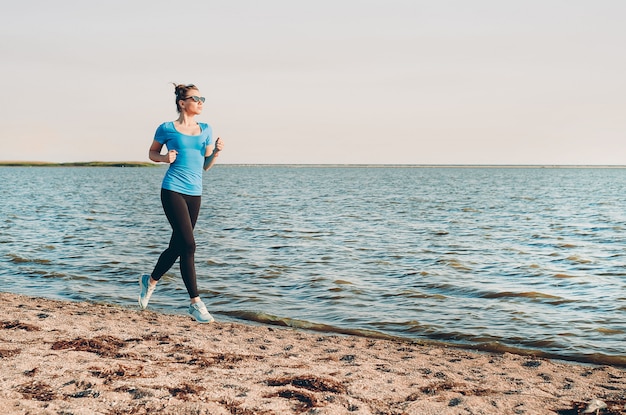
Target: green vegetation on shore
[[78, 164]]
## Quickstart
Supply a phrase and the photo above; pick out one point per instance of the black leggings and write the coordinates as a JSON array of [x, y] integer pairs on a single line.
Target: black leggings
[[182, 212]]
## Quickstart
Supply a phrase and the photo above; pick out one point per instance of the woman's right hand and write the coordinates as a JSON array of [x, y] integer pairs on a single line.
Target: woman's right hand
[[155, 153], [170, 157]]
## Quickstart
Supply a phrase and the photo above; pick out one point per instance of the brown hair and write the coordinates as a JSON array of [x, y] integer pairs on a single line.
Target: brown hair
[[181, 92]]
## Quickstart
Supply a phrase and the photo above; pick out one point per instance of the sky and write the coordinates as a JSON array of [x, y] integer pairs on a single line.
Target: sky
[[319, 82]]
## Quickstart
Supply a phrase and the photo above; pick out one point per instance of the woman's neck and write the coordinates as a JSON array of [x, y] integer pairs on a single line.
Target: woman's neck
[[186, 120]]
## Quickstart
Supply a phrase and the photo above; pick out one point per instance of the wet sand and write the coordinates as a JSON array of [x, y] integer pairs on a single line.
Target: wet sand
[[60, 357]]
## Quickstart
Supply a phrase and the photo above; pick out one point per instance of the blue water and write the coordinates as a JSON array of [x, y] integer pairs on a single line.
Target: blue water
[[521, 259]]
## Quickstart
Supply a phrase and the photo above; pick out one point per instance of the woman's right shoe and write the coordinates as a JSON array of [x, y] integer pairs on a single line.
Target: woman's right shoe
[[146, 290]]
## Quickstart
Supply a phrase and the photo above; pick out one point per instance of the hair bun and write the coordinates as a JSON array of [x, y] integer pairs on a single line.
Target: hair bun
[[178, 88]]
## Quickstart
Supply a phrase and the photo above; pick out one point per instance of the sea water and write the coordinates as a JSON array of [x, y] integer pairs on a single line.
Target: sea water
[[530, 260]]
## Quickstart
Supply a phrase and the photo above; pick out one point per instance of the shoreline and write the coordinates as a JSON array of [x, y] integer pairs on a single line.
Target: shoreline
[[87, 358], [496, 347]]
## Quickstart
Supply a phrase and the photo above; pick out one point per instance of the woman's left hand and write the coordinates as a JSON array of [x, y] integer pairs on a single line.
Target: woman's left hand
[[219, 146]]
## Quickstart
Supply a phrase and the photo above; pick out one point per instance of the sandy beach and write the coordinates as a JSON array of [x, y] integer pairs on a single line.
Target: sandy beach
[[59, 357]]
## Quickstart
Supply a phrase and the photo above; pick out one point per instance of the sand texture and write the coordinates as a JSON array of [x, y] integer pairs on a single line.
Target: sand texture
[[62, 358]]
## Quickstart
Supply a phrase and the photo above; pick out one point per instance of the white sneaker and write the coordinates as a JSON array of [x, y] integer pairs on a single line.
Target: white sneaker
[[199, 312], [146, 290]]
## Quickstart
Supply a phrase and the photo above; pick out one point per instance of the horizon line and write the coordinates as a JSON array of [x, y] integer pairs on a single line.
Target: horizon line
[[414, 165]]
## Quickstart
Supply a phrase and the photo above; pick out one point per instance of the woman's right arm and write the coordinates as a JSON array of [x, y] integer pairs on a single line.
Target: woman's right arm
[[156, 156]]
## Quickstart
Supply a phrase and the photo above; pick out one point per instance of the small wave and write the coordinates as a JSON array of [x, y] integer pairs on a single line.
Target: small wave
[[609, 331], [595, 358], [55, 275], [16, 259], [265, 318], [564, 276], [527, 294], [566, 246], [270, 275], [409, 274], [415, 294], [454, 263], [48, 247], [578, 259]]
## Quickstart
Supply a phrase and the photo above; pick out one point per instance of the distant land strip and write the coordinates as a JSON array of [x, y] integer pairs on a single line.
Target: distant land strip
[[77, 164]]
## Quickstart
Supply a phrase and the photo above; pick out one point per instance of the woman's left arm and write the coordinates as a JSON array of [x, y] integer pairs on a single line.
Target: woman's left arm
[[211, 153]]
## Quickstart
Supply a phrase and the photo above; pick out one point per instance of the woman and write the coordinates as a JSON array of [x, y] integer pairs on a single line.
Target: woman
[[190, 150]]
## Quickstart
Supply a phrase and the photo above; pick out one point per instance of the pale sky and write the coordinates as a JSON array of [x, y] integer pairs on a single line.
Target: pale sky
[[324, 81]]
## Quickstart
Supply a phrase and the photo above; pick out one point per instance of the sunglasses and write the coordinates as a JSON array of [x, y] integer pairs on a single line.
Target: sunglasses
[[195, 98]]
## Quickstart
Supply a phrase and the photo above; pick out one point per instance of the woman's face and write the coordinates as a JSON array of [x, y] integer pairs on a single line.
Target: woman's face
[[192, 103]]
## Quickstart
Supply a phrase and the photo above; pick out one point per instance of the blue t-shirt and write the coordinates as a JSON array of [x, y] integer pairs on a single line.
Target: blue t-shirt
[[184, 175]]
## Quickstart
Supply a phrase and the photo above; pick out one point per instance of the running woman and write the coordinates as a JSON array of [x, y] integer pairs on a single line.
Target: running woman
[[190, 150]]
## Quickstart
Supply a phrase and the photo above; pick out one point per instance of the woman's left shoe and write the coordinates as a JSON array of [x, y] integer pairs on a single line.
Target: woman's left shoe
[[199, 312]]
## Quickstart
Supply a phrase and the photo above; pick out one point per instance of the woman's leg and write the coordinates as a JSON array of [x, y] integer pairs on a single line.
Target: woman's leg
[[182, 213], [187, 256]]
